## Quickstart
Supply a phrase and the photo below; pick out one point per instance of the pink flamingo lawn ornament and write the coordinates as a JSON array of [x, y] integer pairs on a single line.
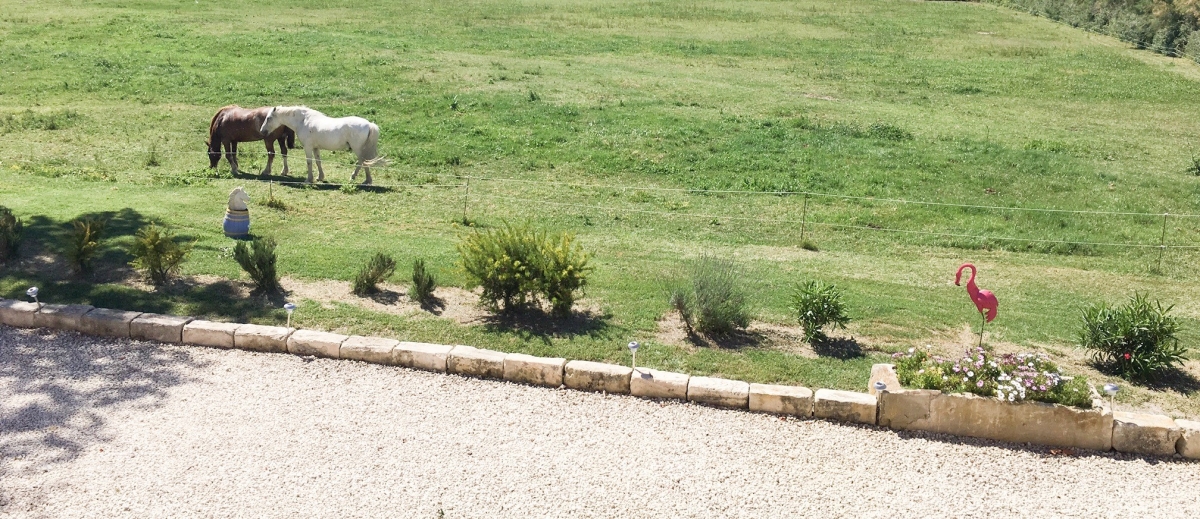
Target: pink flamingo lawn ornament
[[984, 300]]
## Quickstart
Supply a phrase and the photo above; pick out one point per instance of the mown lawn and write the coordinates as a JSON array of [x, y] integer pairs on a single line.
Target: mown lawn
[[595, 118]]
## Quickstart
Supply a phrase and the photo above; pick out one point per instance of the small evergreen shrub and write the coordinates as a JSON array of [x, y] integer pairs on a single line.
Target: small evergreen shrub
[[423, 283], [562, 272], [714, 303], [1137, 340], [1010, 377], [819, 305], [258, 260], [11, 229], [156, 253], [378, 268], [82, 243], [517, 266]]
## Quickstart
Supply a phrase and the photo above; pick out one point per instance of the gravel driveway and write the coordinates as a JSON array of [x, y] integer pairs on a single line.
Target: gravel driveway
[[102, 428]]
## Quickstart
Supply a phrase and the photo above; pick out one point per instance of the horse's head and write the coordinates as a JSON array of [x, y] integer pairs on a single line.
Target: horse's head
[[270, 122], [214, 153]]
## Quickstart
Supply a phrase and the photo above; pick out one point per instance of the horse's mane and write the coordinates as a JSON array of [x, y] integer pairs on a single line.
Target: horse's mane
[[291, 109], [212, 126]]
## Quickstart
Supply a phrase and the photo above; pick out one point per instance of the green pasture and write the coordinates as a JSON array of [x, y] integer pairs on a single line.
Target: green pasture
[[656, 132]]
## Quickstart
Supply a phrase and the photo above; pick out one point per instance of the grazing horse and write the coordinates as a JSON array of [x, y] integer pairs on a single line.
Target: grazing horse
[[233, 124], [318, 131]]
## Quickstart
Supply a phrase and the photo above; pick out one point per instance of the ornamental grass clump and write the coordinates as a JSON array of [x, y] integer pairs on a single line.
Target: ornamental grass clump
[[714, 302], [11, 229], [157, 254], [82, 243], [1009, 377], [1137, 340]]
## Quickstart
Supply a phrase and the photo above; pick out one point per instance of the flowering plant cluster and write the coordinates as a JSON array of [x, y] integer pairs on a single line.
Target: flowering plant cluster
[[1011, 377]]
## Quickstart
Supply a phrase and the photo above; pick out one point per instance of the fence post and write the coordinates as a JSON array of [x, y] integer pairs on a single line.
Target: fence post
[[1162, 240], [804, 218], [466, 193]]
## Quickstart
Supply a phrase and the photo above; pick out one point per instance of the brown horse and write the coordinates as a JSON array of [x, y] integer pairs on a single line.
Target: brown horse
[[233, 124]]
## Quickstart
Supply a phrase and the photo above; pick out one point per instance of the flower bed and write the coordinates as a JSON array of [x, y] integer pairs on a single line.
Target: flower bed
[[1009, 377]]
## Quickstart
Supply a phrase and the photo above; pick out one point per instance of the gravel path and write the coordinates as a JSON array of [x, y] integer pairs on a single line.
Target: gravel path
[[100, 428]]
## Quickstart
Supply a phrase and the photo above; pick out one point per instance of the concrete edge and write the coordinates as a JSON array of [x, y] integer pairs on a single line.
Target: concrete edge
[[566, 362]]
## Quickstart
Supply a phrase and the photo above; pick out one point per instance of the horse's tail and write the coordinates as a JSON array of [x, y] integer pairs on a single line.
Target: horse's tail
[[371, 148], [289, 136]]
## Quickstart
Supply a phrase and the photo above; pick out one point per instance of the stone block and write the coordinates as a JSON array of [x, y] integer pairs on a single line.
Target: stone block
[[375, 350], [963, 414], [1188, 445], [790, 400], [61, 317], [156, 327], [17, 313], [429, 357], [597, 376], [474, 362], [256, 337], [719, 392], [210, 333], [844, 406], [108, 323], [651, 383], [320, 344], [537, 371], [885, 373], [1150, 434]]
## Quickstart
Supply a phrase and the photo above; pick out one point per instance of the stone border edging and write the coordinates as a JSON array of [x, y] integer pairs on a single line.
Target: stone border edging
[[923, 410]]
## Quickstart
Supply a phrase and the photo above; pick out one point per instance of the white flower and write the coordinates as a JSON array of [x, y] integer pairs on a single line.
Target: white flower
[[970, 373], [910, 350]]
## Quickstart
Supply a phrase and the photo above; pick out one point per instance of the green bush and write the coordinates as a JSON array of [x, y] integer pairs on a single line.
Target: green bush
[[258, 260], [156, 253], [11, 229], [818, 305], [378, 268], [82, 243], [563, 271], [517, 266], [714, 303], [1009, 377], [1137, 340], [423, 283]]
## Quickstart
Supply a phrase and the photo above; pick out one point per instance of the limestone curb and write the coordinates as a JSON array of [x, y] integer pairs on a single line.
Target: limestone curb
[[108, 323], [158, 327], [1138, 433], [320, 344], [17, 313], [61, 317]]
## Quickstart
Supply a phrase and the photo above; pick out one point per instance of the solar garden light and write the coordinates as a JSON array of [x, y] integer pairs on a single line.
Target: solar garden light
[[633, 347], [290, 308], [1111, 389], [33, 292], [880, 387]]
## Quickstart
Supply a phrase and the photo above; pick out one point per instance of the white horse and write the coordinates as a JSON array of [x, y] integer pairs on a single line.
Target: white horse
[[318, 131]]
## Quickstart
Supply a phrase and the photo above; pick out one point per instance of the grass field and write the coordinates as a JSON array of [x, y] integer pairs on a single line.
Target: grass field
[[598, 118]]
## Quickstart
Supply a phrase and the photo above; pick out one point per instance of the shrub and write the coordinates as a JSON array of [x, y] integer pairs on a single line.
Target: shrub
[[1137, 340], [82, 243], [818, 305], [11, 229], [1011, 377], [380, 267], [258, 260], [156, 253], [563, 271], [423, 283], [517, 265], [713, 304]]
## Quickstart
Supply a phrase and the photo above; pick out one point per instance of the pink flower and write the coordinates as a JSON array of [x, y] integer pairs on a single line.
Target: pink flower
[[1127, 356], [979, 384]]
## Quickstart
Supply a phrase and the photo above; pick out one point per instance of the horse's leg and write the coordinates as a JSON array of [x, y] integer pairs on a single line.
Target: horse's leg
[[270, 155], [230, 157], [308, 154], [367, 182], [237, 165], [320, 170], [283, 147], [357, 167]]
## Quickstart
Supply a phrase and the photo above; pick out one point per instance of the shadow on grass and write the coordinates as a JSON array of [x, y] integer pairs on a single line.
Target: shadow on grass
[[838, 348], [533, 323], [733, 340], [1173, 379], [59, 385], [299, 181]]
